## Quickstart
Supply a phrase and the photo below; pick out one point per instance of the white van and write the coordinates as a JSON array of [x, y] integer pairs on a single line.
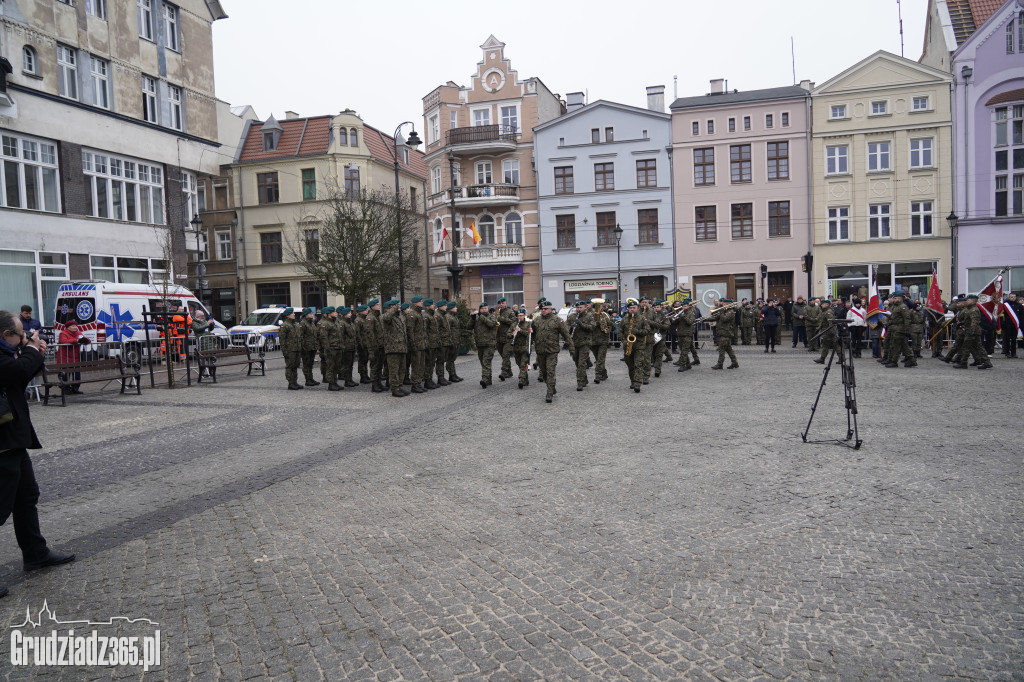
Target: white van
[[107, 312], [260, 327]]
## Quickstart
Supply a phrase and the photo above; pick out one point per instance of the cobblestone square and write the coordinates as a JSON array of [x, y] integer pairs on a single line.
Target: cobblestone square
[[683, 533]]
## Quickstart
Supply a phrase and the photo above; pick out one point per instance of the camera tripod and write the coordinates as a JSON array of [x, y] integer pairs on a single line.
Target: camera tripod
[[843, 349]]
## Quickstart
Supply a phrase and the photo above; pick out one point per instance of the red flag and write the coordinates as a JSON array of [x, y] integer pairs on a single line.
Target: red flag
[[934, 302], [990, 299], [444, 235], [874, 311]]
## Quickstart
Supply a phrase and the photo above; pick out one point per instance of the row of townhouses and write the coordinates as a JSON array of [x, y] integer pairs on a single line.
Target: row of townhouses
[[119, 163]]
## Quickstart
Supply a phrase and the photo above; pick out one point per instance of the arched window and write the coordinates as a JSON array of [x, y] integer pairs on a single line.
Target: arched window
[[485, 226], [29, 60], [513, 229], [353, 139], [343, 136]]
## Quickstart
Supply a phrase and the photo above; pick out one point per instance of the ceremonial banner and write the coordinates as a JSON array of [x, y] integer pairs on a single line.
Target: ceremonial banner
[[874, 313], [444, 235], [990, 299], [934, 302]]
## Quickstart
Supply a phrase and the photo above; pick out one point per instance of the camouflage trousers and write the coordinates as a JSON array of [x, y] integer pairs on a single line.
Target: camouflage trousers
[[378, 356], [745, 332], [308, 356], [291, 366], [828, 342], [582, 358], [759, 329], [522, 358], [440, 359], [548, 362], [647, 351], [364, 360], [485, 355], [725, 348], [600, 352], [396, 370], [635, 367], [685, 348], [898, 346], [324, 363], [504, 349], [958, 345], [348, 358], [452, 354], [973, 347], [658, 354], [416, 359]]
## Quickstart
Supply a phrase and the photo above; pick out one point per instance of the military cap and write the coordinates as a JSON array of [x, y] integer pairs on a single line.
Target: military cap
[[416, 299], [521, 311], [687, 301], [405, 306], [452, 305], [501, 300], [372, 302], [580, 303], [725, 300], [632, 301], [483, 305], [362, 308], [541, 300], [287, 312], [344, 310], [328, 310], [546, 304], [644, 298], [972, 297], [442, 303], [428, 301]]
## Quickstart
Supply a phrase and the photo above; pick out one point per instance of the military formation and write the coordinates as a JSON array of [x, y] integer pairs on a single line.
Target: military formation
[[408, 348]]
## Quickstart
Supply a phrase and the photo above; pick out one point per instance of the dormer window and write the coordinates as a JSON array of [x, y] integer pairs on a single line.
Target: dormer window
[[271, 134], [269, 141]]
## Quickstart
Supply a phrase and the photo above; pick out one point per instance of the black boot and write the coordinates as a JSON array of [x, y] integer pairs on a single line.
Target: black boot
[[310, 382], [398, 394], [294, 387], [334, 387], [377, 387]]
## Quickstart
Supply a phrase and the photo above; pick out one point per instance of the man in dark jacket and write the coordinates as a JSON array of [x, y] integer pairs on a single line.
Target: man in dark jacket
[[799, 311], [21, 358]]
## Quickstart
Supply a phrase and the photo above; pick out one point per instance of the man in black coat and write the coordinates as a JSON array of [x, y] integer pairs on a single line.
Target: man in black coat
[[21, 358]]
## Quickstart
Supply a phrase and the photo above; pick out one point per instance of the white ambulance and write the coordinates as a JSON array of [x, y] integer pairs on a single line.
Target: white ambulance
[[110, 313]]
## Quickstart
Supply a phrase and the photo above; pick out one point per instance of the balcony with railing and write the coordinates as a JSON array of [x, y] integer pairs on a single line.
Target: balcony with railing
[[489, 194], [494, 254], [493, 139]]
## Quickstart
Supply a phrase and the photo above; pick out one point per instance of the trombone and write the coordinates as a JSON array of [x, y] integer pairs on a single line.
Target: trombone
[[720, 308]]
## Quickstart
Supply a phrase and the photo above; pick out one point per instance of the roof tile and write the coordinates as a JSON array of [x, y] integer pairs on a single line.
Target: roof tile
[[299, 137]]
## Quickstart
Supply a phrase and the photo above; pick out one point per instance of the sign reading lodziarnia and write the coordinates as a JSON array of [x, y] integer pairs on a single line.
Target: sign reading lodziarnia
[[589, 284], [119, 641]]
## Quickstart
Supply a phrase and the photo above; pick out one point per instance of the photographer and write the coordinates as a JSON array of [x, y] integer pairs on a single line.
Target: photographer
[[21, 358]]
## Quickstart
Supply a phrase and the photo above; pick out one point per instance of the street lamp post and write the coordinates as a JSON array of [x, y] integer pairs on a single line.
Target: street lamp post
[[197, 225], [413, 141], [954, 221], [618, 267], [454, 268]]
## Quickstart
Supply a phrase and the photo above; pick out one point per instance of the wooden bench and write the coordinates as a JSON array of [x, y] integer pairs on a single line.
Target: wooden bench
[[233, 355], [61, 375]]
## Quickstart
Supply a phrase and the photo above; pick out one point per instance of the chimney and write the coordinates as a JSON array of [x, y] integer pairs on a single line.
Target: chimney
[[656, 98], [807, 85], [573, 101], [718, 86], [289, 115]]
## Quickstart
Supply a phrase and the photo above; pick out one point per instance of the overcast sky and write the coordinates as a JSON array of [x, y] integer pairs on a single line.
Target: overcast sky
[[380, 58]]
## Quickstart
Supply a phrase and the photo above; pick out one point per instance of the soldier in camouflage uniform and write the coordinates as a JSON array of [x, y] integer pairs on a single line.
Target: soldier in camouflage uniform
[[349, 346], [916, 328], [503, 335], [521, 346], [291, 348], [828, 336], [333, 347], [660, 324], [896, 333], [746, 323], [369, 336], [433, 343], [417, 328], [959, 324], [455, 326], [811, 316], [394, 338], [308, 336], [685, 325], [546, 332], [972, 336], [582, 328], [726, 320], [648, 349], [321, 342], [599, 340], [634, 323], [758, 322], [484, 332], [444, 340], [363, 351]]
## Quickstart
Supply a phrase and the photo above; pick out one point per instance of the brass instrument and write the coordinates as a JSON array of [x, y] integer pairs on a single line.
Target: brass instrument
[[630, 336], [715, 311], [604, 322]]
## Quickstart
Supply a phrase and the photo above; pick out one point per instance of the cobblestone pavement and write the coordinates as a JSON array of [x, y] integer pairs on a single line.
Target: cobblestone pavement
[[683, 533]]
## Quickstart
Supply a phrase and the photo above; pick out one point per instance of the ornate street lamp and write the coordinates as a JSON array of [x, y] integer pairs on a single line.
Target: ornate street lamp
[[197, 225], [396, 141], [618, 266]]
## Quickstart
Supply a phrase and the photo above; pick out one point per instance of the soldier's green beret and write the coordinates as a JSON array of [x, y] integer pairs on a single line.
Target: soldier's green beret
[[416, 299], [372, 302], [452, 305], [972, 297], [441, 303], [501, 300], [428, 301], [541, 300], [362, 308], [687, 301], [344, 310], [405, 306], [580, 303], [328, 310], [725, 300], [482, 305], [521, 311], [287, 312]]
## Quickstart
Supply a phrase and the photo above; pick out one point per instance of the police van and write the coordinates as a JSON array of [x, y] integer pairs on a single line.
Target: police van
[[260, 328], [108, 313]]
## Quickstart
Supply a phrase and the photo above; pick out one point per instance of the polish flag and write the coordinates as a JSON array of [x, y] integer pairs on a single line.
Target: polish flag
[[444, 235]]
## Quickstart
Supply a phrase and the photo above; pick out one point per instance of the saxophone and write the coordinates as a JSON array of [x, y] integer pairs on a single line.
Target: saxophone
[[630, 337]]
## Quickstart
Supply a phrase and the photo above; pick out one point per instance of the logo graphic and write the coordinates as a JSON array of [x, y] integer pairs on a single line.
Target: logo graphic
[[63, 647], [118, 323], [84, 310]]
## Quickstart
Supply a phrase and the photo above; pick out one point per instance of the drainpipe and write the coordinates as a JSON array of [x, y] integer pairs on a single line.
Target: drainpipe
[[808, 112], [241, 226], [672, 207]]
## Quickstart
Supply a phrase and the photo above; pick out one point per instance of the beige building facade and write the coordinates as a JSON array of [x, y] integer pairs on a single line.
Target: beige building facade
[[882, 176], [483, 135]]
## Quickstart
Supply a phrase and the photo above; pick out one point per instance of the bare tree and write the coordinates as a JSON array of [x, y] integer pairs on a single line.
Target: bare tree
[[357, 246]]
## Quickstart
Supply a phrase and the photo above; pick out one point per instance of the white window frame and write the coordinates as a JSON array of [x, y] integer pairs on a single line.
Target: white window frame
[[513, 235], [150, 102], [29, 60], [99, 73], [177, 120], [922, 212], [879, 156], [880, 221], [506, 126], [927, 100], [879, 107], [224, 247], [97, 8], [510, 171], [453, 119], [484, 173], [838, 224], [145, 15], [481, 116], [34, 163], [190, 197], [67, 71], [434, 128], [123, 188], [834, 158], [838, 112], [435, 180], [922, 152], [169, 18]]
